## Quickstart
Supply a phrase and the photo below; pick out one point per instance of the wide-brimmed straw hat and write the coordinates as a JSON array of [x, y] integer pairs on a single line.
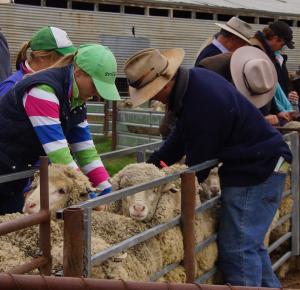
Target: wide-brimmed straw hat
[[149, 70], [254, 75], [237, 27]]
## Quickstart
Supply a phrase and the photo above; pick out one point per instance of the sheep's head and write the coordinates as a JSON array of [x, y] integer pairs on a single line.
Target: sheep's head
[[142, 205], [213, 181], [67, 186]]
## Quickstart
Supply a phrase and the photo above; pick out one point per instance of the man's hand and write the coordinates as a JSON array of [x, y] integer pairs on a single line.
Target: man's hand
[[285, 116], [272, 119]]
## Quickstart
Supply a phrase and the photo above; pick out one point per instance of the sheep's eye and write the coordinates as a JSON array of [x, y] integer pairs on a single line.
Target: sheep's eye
[[61, 191]]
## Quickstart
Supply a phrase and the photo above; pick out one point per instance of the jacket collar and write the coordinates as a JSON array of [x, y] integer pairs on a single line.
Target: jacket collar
[[178, 92]]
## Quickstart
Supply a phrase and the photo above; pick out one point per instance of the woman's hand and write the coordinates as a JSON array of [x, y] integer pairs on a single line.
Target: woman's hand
[[293, 97]]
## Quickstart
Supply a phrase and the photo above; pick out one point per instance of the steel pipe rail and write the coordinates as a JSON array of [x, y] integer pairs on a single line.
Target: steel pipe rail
[[43, 220], [32, 265], [25, 221], [134, 189], [31, 282]]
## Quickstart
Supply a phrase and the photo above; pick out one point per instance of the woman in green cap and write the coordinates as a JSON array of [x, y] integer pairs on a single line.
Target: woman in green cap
[[45, 113], [48, 45]]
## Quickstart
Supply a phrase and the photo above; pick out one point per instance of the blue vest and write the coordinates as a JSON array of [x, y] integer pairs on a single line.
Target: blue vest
[[19, 146]]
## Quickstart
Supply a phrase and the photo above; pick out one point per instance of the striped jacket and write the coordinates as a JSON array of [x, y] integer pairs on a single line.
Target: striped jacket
[[37, 118]]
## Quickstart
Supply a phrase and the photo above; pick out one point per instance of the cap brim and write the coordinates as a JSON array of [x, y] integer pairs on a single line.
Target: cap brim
[[238, 60], [139, 96], [66, 50], [107, 91], [290, 44], [229, 29]]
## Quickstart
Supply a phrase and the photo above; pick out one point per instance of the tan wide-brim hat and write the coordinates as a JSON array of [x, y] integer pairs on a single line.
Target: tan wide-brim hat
[[254, 75], [149, 70], [237, 27]]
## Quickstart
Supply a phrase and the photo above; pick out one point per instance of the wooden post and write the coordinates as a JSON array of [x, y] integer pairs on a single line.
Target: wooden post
[[188, 204], [114, 126], [45, 227], [73, 242]]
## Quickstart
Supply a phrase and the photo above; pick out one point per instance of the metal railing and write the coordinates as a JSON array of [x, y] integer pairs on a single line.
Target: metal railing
[[87, 206], [16, 282], [42, 219]]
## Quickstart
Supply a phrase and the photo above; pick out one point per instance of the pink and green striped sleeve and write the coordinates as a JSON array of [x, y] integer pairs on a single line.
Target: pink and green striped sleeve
[[42, 108], [84, 150]]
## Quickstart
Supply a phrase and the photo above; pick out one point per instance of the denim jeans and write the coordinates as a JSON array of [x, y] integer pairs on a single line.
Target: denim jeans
[[246, 214]]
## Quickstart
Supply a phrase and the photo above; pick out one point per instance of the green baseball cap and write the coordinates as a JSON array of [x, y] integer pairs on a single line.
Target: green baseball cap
[[100, 64], [52, 38]]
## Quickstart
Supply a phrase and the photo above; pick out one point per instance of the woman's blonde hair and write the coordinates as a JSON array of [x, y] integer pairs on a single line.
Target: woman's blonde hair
[[23, 55], [66, 60]]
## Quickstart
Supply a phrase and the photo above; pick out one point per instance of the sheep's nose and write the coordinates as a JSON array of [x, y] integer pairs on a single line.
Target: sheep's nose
[[138, 207], [214, 189]]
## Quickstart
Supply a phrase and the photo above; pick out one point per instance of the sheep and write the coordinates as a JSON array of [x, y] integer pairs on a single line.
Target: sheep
[[210, 187], [292, 124], [124, 104], [142, 205], [157, 106], [162, 205], [108, 228], [66, 187]]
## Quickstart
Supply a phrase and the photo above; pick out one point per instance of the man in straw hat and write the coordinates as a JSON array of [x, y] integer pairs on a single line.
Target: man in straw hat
[[215, 121], [233, 34]]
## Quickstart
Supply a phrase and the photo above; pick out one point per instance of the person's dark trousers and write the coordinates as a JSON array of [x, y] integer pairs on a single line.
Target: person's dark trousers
[[246, 214], [11, 194]]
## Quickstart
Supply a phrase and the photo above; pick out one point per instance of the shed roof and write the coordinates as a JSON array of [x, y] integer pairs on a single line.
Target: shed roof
[[271, 6]]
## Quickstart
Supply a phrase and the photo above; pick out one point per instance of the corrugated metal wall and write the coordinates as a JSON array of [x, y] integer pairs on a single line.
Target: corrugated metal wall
[[18, 22]]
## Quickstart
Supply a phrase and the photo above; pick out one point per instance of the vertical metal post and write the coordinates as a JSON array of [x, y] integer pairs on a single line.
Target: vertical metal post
[[87, 242], [45, 227], [114, 125], [73, 242], [188, 203], [106, 118], [140, 156], [295, 193]]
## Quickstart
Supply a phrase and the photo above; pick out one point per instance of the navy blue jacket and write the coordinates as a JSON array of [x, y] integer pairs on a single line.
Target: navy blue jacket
[[19, 145], [209, 50], [216, 121]]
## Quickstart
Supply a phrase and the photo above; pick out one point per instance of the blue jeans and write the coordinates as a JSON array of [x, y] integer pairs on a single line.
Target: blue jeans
[[246, 214]]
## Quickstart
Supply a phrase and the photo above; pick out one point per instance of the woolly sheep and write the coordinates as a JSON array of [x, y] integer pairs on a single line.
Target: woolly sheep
[[165, 205], [141, 261], [157, 106], [210, 187], [67, 186]]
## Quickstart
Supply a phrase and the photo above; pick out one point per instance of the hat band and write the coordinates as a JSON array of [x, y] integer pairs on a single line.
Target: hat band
[[142, 81], [249, 87]]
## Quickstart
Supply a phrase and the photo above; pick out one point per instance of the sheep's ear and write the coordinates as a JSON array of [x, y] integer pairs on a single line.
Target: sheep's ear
[[115, 181], [35, 181]]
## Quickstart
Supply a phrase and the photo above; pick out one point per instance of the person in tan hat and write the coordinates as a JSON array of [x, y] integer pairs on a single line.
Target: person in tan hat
[[233, 34], [276, 110], [215, 121]]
